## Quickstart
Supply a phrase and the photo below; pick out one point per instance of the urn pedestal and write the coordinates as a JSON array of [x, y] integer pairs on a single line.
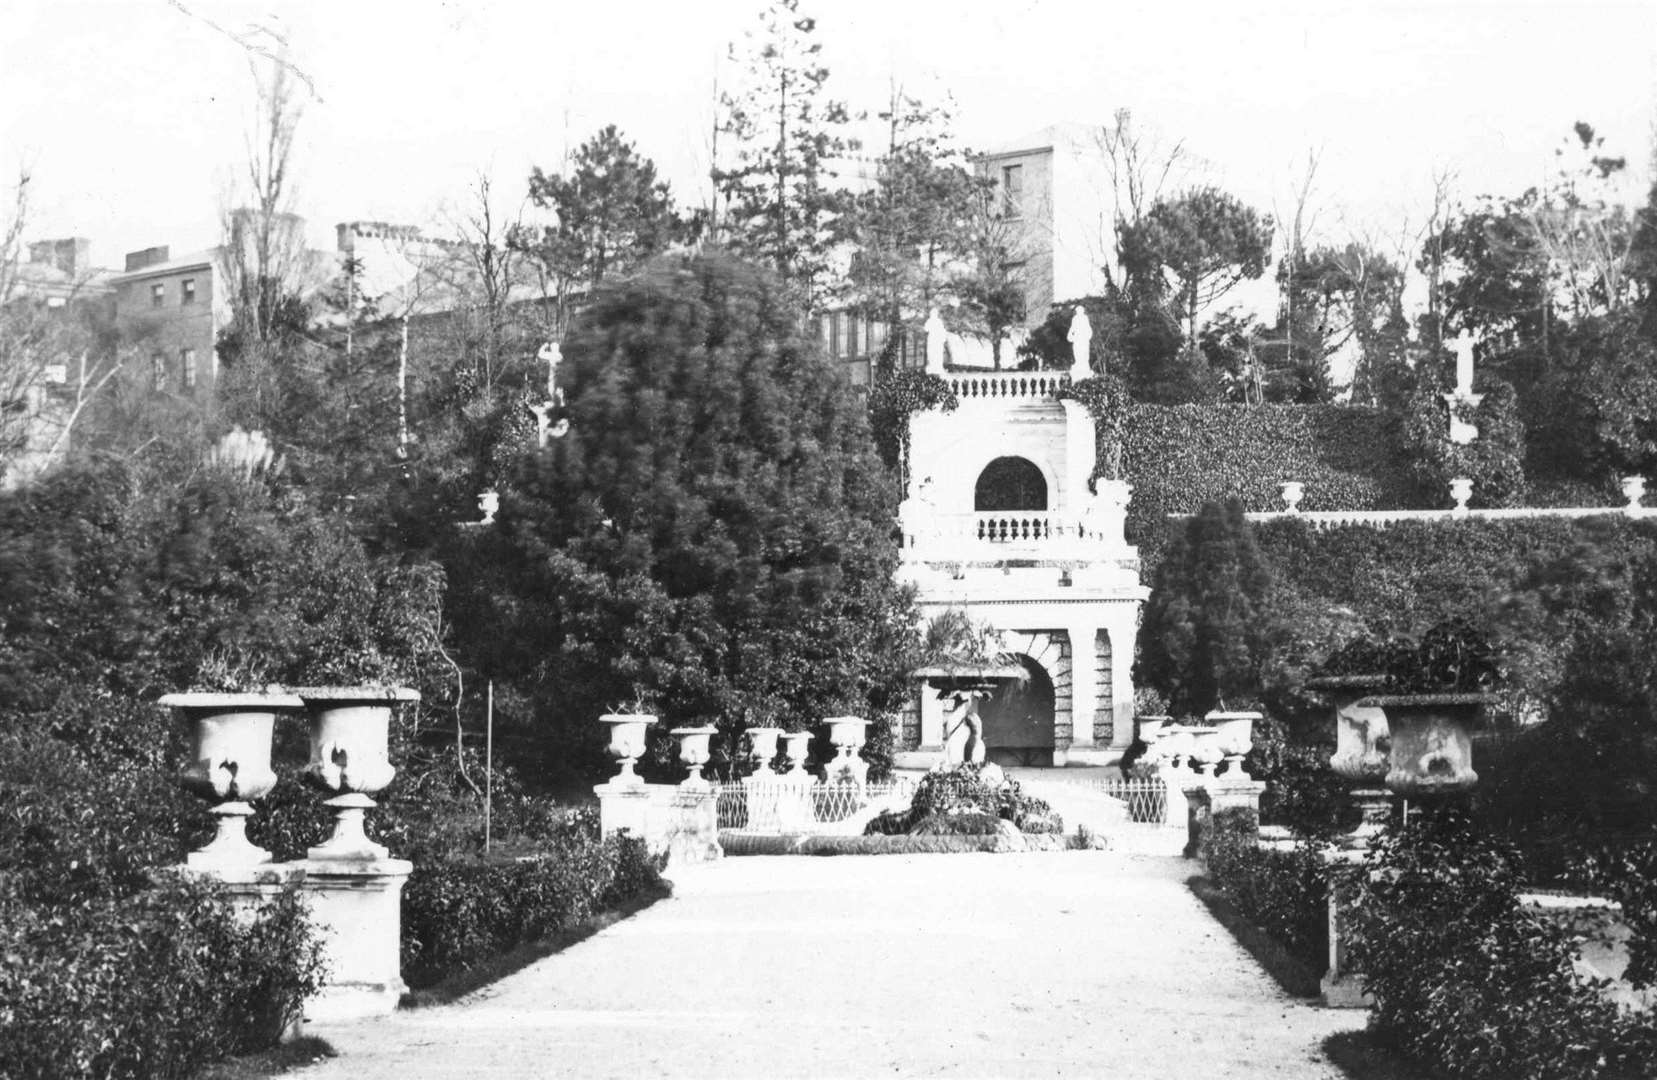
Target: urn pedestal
[[624, 800], [230, 767]]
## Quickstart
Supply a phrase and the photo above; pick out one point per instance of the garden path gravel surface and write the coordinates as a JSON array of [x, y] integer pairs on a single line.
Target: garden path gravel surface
[[1074, 964]]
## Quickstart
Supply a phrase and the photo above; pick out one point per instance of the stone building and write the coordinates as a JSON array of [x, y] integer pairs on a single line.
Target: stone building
[[1003, 521]]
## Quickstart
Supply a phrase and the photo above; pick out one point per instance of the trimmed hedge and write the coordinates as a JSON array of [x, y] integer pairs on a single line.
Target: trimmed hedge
[[744, 844], [461, 912], [1179, 457], [1282, 892]]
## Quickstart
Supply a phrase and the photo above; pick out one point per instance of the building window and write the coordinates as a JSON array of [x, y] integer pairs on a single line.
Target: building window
[[1012, 190], [1010, 483], [834, 335], [158, 294], [851, 335], [187, 367], [187, 292], [158, 371]]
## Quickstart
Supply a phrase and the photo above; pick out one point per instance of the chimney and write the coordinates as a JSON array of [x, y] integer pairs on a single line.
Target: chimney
[[139, 260], [71, 255]]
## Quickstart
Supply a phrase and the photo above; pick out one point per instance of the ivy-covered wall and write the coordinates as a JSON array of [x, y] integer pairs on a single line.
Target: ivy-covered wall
[[1178, 457]]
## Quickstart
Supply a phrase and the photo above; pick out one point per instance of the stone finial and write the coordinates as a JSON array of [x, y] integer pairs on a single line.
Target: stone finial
[[1293, 492], [1461, 489], [1633, 489]]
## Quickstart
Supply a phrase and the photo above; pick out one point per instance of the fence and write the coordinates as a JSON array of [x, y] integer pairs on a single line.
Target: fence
[[783, 807]]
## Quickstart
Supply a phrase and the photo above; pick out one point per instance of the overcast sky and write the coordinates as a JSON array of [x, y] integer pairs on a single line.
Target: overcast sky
[[131, 113]]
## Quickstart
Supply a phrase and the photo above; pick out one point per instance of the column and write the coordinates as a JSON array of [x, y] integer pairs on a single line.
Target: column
[[1123, 628], [1084, 683]]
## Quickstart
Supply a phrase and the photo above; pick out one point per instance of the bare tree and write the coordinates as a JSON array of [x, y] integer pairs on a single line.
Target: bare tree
[[51, 366], [263, 260], [1139, 167]]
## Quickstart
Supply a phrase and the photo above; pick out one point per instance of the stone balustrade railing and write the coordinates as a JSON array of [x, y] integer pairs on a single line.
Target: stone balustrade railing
[[1006, 385], [1005, 533]]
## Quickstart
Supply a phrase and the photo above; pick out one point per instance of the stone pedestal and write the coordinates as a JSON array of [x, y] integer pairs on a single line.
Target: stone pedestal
[[1218, 805], [623, 806], [694, 834], [1342, 987], [251, 888], [357, 903]]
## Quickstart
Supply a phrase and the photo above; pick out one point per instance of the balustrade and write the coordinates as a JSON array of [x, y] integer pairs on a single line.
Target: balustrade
[[1007, 385]]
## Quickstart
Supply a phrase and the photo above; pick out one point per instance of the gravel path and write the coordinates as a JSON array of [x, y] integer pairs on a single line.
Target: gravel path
[[1075, 964]]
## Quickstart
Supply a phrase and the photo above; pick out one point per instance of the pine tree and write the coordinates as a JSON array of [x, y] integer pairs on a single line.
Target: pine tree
[[782, 198], [713, 531]]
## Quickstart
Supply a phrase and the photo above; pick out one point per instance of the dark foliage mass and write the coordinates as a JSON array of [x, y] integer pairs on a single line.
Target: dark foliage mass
[[711, 539]]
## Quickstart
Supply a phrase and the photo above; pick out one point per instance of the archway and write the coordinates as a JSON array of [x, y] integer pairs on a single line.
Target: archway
[[1018, 720], [1010, 483]]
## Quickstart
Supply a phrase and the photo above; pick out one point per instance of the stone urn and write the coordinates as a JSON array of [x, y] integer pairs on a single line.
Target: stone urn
[[1461, 489], [230, 739], [1149, 728], [764, 743], [1174, 748], [1633, 489], [627, 744], [350, 733], [1432, 741], [1234, 735], [1363, 746], [694, 751], [847, 733], [1293, 492], [798, 748], [1206, 753]]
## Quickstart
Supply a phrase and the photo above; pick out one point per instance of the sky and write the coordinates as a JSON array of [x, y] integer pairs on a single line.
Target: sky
[[131, 115]]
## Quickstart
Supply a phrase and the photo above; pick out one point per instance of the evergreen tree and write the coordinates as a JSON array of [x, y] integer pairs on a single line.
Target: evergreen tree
[[713, 533], [1206, 629], [781, 196]]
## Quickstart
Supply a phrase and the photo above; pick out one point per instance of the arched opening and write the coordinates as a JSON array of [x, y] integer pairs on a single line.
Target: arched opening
[[1010, 483], [1018, 720]]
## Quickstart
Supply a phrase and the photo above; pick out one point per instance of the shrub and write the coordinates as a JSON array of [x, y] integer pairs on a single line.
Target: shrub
[[155, 984], [1206, 628], [460, 912], [963, 823], [1465, 980], [1283, 892]]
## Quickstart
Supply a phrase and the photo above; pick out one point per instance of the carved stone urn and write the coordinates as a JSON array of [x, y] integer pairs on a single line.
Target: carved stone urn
[[1363, 747], [798, 749], [847, 733], [1432, 742], [1206, 752], [764, 743], [350, 732], [230, 738], [1234, 735], [694, 751], [627, 744]]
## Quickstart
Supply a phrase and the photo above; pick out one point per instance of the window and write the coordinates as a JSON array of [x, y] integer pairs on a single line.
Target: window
[[187, 367], [158, 294], [187, 292], [851, 335], [158, 371], [1012, 190]]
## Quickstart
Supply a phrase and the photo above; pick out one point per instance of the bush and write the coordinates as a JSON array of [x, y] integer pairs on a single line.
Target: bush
[[155, 984], [1283, 892], [463, 911], [1467, 982]]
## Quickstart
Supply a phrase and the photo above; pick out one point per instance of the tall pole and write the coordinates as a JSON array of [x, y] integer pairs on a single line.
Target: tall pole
[[488, 763]]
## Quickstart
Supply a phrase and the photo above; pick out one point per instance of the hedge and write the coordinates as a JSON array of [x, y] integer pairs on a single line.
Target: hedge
[[1179, 457], [461, 912], [1282, 892], [1411, 575], [1470, 984], [152, 985]]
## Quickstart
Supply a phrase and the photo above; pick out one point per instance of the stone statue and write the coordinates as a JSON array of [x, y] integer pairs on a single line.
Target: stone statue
[[964, 730], [934, 343], [1081, 342]]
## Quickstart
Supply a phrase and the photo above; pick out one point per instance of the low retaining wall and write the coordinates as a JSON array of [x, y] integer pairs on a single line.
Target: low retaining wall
[[738, 843]]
